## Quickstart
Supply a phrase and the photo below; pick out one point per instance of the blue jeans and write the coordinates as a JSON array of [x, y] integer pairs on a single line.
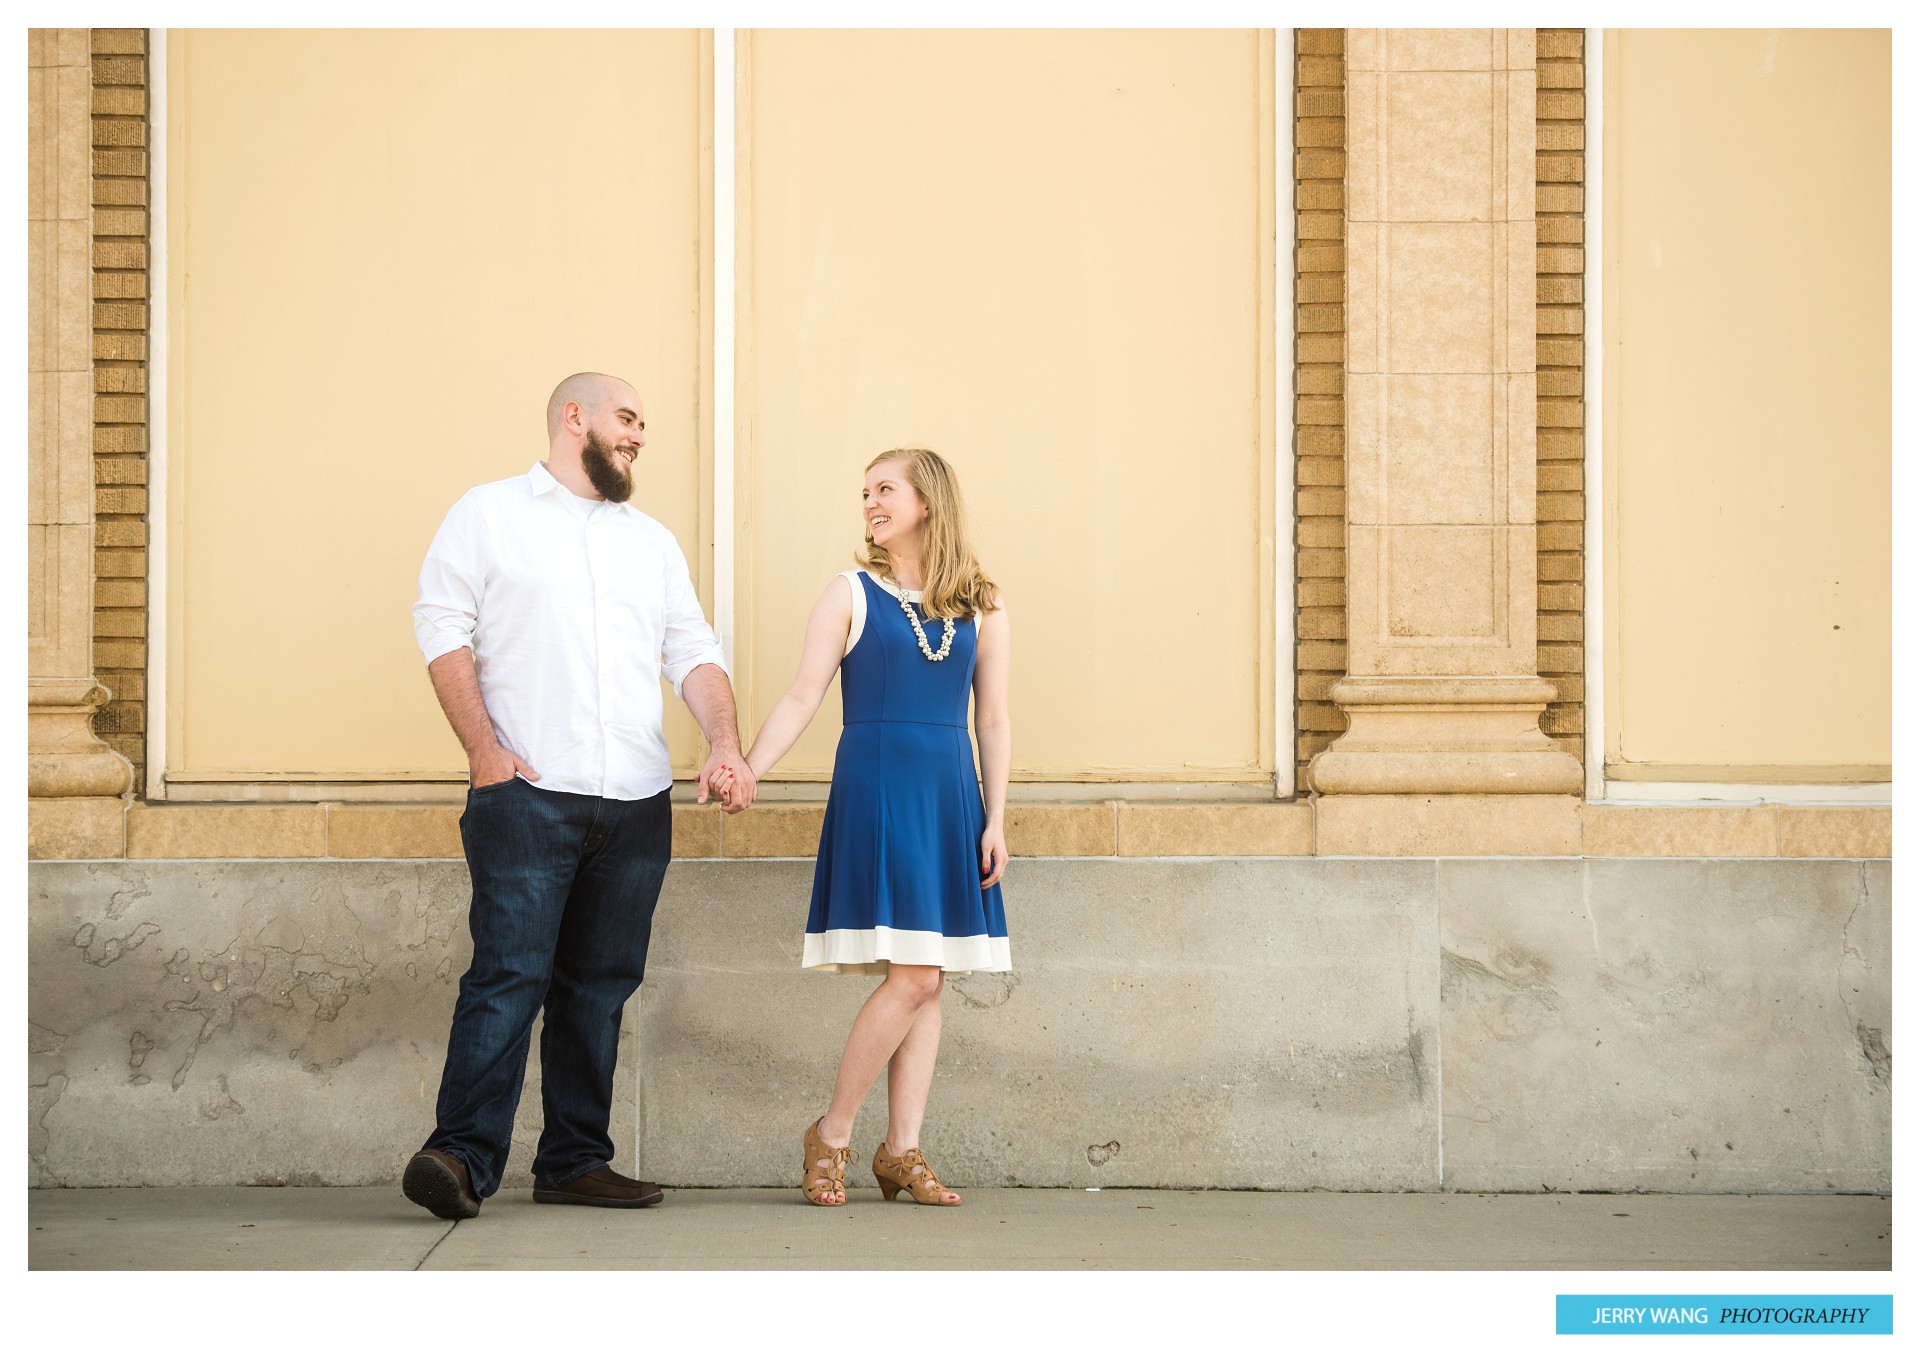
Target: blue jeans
[[564, 887]]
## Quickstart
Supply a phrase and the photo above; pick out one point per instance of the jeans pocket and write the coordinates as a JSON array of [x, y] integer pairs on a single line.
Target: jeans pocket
[[483, 790]]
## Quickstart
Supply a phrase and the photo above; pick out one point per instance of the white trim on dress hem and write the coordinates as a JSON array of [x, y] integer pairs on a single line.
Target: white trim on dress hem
[[869, 951]]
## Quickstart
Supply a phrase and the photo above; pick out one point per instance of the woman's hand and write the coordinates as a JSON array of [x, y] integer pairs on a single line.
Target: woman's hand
[[993, 855], [728, 779]]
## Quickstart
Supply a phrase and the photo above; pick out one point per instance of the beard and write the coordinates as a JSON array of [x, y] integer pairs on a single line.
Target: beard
[[606, 469]]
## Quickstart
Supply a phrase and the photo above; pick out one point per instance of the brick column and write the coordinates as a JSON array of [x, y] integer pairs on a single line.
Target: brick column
[[73, 779], [1442, 690], [1560, 218], [1319, 385], [120, 321]]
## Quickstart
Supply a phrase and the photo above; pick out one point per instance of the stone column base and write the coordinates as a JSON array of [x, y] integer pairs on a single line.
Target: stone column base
[[64, 757], [1452, 734]]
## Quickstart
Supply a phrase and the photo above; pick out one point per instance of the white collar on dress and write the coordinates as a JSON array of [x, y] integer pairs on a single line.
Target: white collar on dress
[[893, 590]]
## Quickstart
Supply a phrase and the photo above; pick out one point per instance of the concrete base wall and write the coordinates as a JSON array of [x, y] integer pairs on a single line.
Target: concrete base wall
[[1360, 1024]]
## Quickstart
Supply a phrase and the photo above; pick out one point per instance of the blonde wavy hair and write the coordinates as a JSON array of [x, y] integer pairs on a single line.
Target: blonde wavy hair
[[953, 584]]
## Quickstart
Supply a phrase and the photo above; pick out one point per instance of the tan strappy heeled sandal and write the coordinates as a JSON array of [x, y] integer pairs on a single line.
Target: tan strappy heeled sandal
[[826, 1169], [909, 1172]]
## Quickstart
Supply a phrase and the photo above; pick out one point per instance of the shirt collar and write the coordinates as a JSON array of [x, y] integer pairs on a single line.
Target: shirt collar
[[540, 481]]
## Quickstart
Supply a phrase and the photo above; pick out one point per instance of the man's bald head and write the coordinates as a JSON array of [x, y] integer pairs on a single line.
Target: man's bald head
[[590, 390]]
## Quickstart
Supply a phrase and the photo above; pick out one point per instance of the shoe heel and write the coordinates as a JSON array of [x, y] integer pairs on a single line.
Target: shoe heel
[[888, 1190]]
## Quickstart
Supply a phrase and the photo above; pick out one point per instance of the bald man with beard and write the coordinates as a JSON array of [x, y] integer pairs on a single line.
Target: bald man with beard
[[549, 610]]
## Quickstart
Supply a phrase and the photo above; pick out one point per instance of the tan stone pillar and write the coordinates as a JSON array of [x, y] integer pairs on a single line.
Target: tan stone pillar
[[73, 779], [1442, 691]]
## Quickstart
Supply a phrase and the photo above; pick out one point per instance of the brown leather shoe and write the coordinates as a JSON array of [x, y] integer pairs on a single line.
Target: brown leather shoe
[[601, 1187], [438, 1180]]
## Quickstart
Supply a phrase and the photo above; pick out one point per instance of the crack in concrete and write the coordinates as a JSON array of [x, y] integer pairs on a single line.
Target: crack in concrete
[[1871, 1040], [1847, 946], [996, 988], [1586, 902], [43, 1040], [438, 917], [1873, 1045], [113, 949], [451, 1226], [118, 903], [41, 1100], [269, 973], [1480, 1114], [225, 1106], [193, 1050], [1529, 980]]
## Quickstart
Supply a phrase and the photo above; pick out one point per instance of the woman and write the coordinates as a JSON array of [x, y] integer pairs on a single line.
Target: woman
[[907, 882]]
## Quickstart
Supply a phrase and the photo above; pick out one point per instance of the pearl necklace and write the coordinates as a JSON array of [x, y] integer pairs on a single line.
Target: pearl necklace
[[926, 650]]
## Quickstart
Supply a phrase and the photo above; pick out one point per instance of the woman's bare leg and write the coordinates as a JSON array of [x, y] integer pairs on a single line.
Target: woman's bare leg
[[910, 1079], [883, 1022]]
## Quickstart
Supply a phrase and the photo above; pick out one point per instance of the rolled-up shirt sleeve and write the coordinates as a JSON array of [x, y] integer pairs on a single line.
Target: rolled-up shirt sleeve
[[687, 639], [451, 582]]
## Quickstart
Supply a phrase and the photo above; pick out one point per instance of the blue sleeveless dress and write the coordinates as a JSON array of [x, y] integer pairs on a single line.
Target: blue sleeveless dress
[[897, 878]]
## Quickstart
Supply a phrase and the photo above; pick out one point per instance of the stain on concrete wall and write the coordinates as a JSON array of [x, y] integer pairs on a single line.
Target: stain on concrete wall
[[1686, 1025]]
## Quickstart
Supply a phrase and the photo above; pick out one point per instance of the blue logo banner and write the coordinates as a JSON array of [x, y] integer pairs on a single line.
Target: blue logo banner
[[1719, 1315]]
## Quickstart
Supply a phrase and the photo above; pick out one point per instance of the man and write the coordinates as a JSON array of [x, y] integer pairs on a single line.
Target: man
[[549, 609]]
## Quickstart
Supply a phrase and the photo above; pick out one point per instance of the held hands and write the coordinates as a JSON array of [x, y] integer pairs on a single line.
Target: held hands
[[496, 764], [726, 775], [729, 780], [993, 855]]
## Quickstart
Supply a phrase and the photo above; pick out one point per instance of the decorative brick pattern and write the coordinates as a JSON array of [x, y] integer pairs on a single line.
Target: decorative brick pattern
[[1320, 443], [1560, 176], [120, 322]]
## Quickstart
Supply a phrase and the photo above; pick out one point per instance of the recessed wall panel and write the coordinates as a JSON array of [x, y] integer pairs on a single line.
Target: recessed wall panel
[[385, 248], [1039, 254], [1747, 402]]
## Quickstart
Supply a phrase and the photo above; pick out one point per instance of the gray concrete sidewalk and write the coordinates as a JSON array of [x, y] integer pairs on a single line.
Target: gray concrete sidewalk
[[329, 1228]]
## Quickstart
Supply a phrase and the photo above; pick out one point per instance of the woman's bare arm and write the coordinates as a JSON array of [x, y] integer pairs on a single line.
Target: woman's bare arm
[[994, 733], [825, 643]]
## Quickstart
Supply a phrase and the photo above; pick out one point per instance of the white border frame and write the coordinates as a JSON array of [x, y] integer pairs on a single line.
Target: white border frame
[[1599, 787], [1285, 467], [158, 373], [1593, 570], [725, 247], [1677, 792]]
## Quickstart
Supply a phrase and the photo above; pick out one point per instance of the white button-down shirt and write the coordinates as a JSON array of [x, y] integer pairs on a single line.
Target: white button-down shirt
[[574, 609]]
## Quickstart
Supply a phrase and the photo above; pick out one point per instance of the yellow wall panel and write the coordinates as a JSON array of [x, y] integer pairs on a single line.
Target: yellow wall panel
[[1042, 255], [1747, 360], [385, 248]]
